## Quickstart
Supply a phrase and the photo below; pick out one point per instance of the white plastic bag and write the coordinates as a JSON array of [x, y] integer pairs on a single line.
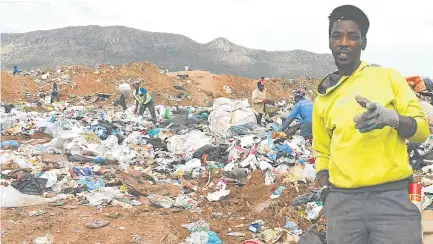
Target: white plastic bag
[[251, 161], [309, 172], [12, 198], [226, 113], [125, 89], [51, 176]]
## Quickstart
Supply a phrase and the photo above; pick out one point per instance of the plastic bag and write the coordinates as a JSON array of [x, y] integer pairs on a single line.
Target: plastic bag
[[160, 201], [9, 144], [309, 173], [91, 183], [12, 198], [313, 210], [51, 177], [47, 239], [125, 89]]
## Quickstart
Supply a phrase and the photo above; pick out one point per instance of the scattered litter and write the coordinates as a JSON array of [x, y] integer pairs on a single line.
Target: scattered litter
[[96, 224], [47, 239], [36, 212]]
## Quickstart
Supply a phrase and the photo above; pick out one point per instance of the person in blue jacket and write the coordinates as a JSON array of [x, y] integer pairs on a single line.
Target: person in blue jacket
[[15, 71], [303, 109]]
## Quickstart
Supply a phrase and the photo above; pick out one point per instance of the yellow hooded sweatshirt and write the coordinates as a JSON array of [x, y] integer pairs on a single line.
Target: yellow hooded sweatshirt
[[357, 160]]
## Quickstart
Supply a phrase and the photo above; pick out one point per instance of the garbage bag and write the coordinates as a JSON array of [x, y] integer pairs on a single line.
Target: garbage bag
[[306, 198], [213, 152], [189, 142], [227, 113], [12, 198], [31, 185], [311, 237]]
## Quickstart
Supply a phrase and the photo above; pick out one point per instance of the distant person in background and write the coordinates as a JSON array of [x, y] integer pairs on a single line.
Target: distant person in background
[[55, 93], [143, 100], [259, 99], [15, 71], [304, 109], [122, 100], [26, 91]]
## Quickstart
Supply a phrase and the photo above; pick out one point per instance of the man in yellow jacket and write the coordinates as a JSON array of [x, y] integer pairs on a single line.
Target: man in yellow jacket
[[361, 118]]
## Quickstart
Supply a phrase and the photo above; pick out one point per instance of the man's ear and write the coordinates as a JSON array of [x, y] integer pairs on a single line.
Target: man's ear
[[364, 43]]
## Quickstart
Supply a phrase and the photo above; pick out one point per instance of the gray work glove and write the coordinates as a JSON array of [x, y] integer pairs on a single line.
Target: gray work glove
[[376, 116], [324, 192]]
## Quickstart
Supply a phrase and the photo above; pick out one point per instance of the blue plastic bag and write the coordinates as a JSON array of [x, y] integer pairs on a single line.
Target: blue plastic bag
[[10, 144], [213, 238], [283, 148], [91, 183]]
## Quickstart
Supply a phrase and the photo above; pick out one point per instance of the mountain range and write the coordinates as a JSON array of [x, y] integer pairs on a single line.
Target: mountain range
[[92, 45]]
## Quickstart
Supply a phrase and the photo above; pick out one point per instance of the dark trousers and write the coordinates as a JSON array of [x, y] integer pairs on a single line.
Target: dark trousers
[[259, 118], [54, 97], [372, 218], [122, 101], [151, 108]]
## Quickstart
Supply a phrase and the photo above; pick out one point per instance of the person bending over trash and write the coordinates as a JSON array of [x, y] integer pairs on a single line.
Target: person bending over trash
[[259, 99], [304, 109], [143, 100], [361, 119]]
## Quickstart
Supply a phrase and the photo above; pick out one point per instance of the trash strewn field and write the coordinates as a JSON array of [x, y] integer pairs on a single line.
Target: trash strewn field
[[84, 171]]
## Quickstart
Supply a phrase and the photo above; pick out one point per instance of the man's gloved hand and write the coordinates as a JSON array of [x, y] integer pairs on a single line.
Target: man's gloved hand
[[324, 192], [376, 116]]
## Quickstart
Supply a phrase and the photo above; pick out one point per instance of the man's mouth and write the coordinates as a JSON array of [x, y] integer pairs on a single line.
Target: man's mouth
[[343, 54]]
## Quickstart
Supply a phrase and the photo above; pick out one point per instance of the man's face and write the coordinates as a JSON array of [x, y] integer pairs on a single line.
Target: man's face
[[261, 87], [135, 86], [346, 43]]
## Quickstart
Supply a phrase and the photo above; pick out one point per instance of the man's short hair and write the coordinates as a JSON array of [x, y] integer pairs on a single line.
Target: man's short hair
[[350, 12]]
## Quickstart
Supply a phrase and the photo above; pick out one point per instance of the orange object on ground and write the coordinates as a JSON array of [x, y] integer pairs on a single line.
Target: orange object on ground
[[416, 83]]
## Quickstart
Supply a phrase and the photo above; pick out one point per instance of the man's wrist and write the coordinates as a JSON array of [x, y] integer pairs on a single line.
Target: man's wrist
[[395, 121], [324, 187]]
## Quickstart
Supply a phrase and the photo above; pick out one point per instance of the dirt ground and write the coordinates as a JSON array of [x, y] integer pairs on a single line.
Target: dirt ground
[[149, 224], [200, 88]]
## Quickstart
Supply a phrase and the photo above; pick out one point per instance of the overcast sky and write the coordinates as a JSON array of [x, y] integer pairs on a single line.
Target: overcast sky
[[400, 35]]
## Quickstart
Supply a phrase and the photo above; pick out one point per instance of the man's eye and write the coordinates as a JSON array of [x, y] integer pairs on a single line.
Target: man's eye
[[354, 38]]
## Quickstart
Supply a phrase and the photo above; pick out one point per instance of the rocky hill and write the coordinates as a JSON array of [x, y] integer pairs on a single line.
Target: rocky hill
[[91, 45]]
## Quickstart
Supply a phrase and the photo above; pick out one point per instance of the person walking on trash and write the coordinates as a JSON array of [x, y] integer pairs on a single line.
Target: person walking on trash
[[304, 109], [55, 93], [259, 99], [361, 119], [143, 100]]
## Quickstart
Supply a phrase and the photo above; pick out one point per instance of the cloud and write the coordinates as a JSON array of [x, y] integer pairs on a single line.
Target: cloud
[[400, 36]]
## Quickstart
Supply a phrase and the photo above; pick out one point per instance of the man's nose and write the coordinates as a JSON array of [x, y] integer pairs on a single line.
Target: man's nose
[[344, 41]]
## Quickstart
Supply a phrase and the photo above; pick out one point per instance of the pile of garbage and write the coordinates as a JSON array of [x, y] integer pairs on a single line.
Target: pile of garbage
[[108, 157]]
